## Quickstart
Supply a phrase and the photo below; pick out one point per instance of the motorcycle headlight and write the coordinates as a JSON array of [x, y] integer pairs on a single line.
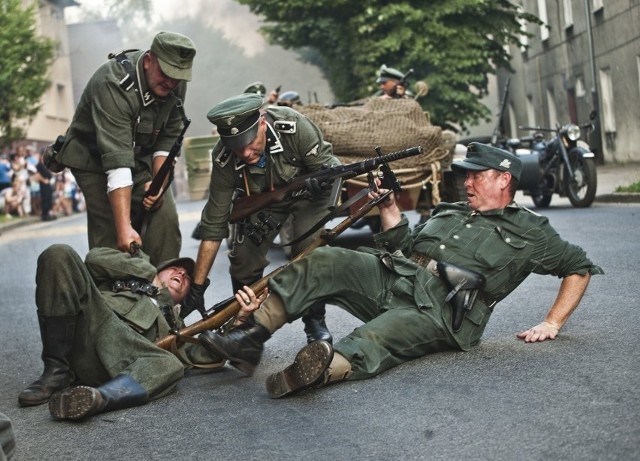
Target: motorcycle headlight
[[573, 132]]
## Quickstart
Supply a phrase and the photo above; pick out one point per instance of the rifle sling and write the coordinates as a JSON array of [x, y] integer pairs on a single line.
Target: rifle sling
[[328, 217]]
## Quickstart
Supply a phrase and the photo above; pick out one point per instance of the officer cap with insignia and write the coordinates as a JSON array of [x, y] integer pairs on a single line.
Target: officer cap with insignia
[[388, 73], [175, 53], [237, 119], [257, 88], [187, 263], [482, 157]]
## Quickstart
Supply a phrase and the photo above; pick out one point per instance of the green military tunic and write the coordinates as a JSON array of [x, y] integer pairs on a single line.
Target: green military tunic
[[295, 146], [115, 127], [402, 303], [115, 331]]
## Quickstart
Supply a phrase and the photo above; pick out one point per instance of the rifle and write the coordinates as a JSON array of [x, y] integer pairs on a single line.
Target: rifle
[[322, 179], [503, 103], [165, 171], [220, 313]]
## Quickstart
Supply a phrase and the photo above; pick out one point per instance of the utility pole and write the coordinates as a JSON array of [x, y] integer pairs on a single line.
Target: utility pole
[[596, 137]]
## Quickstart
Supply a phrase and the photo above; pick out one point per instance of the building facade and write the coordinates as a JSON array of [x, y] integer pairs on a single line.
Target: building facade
[[57, 105], [585, 57]]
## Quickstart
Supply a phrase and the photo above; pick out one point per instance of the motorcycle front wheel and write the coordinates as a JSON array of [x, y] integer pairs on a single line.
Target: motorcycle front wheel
[[581, 191]]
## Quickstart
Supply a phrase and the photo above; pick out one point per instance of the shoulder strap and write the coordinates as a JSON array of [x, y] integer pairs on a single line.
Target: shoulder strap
[[129, 80]]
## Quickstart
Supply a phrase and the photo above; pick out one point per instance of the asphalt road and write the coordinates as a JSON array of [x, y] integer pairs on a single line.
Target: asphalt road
[[574, 398]]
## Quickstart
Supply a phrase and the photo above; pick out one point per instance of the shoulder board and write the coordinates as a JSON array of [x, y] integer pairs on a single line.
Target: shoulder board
[[285, 126], [128, 81]]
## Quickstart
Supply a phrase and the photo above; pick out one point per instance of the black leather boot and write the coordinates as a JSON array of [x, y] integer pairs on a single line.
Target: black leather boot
[[315, 326], [82, 401], [309, 369], [242, 346], [57, 334]]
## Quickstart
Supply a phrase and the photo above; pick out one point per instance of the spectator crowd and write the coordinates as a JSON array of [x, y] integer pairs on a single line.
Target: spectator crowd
[[28, 188]]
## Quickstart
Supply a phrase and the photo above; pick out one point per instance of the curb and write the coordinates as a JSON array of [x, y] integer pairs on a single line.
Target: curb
[[619, 197]]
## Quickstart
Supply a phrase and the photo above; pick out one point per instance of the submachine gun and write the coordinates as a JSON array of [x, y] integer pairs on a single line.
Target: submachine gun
[[311, 183]]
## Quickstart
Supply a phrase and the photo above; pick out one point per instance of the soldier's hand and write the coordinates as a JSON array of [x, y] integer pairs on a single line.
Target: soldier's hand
[[128, 239], [539, 333], [154, 201], [249, 302], [195, 300]]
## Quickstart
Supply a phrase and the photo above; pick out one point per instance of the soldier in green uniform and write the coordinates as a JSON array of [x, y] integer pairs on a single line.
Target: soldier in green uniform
[[126, 122], [260, 150], [391, 82], [407, 289], [99, 320]]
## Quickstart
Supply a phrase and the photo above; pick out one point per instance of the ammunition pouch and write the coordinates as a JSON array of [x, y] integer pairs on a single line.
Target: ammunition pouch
[[464, 286], [50, 153]]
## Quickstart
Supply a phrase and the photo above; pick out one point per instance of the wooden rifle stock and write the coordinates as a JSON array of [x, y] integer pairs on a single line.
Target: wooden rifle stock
[[244, 207], [225, 312], [165, 171]]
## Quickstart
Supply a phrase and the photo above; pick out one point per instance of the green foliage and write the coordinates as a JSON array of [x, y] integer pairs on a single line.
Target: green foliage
[[451, 44], [24, 61], [635, 187]]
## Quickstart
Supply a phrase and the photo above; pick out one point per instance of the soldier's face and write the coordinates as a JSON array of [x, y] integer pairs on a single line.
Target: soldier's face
[[388, 87], [485, 189], [177, 281], [251, 153], [159, 83]]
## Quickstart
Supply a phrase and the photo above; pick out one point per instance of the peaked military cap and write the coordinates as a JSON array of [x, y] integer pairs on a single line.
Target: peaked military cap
[[175, 53], [257, 88], [388, 73], [237, 119], [484, 157], [187, 263]]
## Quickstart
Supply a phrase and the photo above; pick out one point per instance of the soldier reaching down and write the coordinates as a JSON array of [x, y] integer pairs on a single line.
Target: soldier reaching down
[[98, 323], [418, 292]]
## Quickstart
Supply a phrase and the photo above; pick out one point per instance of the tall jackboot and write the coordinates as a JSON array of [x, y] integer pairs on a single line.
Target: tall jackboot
[[316, 365], [242, 346], [57, 335], [82, 401], [314, 324]]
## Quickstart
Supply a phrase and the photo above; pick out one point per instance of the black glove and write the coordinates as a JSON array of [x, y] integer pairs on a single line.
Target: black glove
[[195, 300], [315, 189]]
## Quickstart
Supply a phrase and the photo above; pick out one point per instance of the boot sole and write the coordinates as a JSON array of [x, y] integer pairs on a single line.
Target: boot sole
[[307, 370], [74, 403]]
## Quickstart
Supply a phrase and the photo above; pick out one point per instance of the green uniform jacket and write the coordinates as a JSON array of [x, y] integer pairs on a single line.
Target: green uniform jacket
[[503, 245], [115, 127], [296, 147]]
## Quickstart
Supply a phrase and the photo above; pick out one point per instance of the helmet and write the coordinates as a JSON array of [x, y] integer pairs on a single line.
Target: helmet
[[289, 98], [257, 88], [388, 73]]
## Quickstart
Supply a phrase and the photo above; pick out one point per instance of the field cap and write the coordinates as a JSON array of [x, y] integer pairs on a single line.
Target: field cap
[[175, 53], [484, 157]]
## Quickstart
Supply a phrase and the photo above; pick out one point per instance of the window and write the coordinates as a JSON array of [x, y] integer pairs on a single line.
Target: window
[[598, 5], [542, 14], [581, 91], [552, 111], [606, 94], [524, 39], [568, 14]]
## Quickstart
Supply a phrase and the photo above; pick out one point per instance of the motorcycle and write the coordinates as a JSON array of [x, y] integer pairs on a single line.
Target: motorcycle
[[562, 164]]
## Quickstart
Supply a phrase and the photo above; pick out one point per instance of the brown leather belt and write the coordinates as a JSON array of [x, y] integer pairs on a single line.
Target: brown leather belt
[[420, 259]]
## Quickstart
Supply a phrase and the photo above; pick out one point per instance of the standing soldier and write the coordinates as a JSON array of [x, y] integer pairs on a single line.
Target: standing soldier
[[259, 150], [128, 118]]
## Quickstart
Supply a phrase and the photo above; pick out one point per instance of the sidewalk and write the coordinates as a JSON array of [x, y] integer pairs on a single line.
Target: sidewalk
[[610, 177]]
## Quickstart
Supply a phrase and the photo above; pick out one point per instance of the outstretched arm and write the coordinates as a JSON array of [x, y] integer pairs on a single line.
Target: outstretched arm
[[571, 291]]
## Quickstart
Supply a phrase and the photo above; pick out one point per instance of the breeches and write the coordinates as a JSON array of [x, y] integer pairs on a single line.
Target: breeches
[[104, 346], [395, 330], [162, 239]]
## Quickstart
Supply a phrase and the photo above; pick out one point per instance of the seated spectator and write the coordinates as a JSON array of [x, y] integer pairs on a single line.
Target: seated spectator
[[14, 198]]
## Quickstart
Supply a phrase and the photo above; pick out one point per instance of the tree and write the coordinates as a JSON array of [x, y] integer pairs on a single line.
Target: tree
[[24, 61], [452, 44]]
